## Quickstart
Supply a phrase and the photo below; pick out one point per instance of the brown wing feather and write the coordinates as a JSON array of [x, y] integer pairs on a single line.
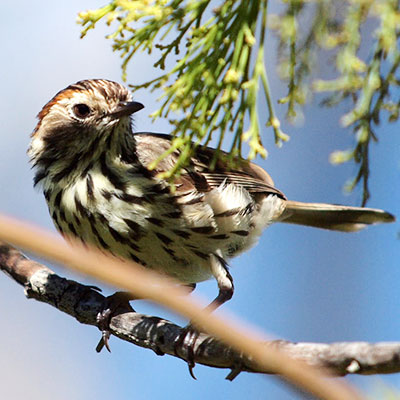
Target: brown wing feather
[[197, 175]]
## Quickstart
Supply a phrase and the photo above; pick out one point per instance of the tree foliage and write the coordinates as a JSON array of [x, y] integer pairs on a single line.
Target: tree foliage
[[215, 85]]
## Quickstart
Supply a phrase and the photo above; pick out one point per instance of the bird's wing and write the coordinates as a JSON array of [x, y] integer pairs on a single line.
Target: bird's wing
[[198, 175]]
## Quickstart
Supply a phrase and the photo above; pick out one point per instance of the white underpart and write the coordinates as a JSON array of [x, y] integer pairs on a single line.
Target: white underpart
[[270, 210], [266, 213], [198, 215], [225, 198]]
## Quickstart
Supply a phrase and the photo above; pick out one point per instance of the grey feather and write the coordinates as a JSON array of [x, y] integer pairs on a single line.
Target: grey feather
[[333, 217]]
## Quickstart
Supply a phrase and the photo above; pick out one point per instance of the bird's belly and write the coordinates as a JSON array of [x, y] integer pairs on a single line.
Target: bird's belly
[[176, 240]]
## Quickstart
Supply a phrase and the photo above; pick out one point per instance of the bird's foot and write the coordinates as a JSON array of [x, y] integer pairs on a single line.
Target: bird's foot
[[185, 343], [111, 304]]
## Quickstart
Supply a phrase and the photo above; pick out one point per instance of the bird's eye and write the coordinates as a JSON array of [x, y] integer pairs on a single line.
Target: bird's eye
[[81, 110]]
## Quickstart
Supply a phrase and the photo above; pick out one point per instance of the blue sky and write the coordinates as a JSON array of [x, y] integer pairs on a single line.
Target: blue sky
[[300, 284]]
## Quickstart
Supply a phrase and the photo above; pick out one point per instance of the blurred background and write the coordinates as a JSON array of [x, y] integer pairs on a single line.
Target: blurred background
[[300, 284]]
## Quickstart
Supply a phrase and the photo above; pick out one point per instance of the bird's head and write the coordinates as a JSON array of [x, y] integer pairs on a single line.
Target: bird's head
[[83, 113]]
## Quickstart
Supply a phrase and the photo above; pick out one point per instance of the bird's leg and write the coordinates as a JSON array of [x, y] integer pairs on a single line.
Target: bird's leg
[[111, 304], [187, 339]]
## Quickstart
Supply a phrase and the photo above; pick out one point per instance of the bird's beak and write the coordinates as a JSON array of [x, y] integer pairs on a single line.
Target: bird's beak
[[126, 108]]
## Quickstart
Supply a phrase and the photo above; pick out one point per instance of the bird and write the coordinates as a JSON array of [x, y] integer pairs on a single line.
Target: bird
[[94, 171]]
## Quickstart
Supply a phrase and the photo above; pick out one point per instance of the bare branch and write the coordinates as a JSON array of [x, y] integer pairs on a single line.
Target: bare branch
[[85, 302]]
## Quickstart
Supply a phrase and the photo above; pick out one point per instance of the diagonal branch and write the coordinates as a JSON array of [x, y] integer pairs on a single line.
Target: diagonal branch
[[85, 302], [147, 284]]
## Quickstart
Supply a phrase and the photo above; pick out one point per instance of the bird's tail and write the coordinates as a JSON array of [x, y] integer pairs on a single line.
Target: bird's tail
[[333, 217]]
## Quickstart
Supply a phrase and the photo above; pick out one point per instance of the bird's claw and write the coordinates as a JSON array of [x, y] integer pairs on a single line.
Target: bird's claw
[[103, 322], [103, 318], [187, 341]]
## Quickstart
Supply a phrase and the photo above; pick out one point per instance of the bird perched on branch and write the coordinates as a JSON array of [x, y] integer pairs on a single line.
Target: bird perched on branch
[[95, 176]]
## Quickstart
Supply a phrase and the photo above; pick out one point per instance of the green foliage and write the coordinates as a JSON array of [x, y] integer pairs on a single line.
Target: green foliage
[[361, 36], [216, 83]]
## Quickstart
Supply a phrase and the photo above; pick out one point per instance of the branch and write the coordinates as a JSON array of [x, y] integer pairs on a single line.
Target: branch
[[85, 302], [146, 284]]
